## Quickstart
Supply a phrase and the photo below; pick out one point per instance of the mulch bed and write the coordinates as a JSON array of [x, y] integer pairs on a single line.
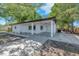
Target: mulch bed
[[57, 48]]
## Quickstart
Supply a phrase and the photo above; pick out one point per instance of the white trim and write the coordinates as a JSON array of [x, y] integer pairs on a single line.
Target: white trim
[[52, 29], [32, 29]]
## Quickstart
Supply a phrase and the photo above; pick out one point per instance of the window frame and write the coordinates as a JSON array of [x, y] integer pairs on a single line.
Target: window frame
[[41, 27], [15, 27], [34, 27], [29, 27]]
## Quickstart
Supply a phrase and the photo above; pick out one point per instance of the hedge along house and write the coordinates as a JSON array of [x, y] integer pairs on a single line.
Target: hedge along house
[[46, 25]]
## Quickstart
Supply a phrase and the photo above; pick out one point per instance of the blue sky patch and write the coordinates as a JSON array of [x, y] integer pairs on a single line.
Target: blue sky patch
[[45, 9], [2, 21], [42, 12], [76, 23]]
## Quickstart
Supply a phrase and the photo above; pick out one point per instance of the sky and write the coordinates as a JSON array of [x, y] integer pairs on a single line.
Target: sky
[[45, 9], [76, 23], [2, 21]]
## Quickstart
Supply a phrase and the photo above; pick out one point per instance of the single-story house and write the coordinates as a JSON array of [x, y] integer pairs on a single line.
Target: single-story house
[[36, 26]]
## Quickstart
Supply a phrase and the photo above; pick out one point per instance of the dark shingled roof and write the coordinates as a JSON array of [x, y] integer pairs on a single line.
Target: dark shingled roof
[[44, 19]]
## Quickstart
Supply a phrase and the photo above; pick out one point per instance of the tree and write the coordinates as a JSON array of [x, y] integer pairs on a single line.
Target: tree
[[65, 13], [20, 12]]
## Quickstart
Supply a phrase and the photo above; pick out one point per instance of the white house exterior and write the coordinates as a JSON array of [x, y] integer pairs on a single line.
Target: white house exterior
[[36, 26]]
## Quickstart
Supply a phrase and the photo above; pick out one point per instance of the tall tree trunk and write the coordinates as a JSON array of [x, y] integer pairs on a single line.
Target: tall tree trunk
[[62, 26], [68, 26], [72, 26]]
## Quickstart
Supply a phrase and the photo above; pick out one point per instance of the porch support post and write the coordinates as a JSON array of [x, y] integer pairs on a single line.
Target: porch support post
[[32, 29], [52, 29]]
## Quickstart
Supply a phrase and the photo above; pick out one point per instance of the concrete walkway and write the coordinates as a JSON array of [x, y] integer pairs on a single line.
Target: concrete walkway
[[42, 38], [67, 38], [62, 37]]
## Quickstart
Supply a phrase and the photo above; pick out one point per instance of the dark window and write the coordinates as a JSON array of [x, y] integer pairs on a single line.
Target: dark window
[[30, 27], [15, 27], [41, 27], [34, 27]]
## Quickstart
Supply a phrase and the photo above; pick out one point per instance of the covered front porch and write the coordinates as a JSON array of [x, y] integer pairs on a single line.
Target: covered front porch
[[44, 28]]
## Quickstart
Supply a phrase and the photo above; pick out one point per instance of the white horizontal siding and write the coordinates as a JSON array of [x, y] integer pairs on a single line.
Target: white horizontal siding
[[24, 27]]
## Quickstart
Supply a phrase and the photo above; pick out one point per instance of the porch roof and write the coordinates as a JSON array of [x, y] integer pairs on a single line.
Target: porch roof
[[37, 20]]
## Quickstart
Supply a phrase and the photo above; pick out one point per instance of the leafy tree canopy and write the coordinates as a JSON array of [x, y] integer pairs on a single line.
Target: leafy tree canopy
[[65, 13], [19, 11]]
